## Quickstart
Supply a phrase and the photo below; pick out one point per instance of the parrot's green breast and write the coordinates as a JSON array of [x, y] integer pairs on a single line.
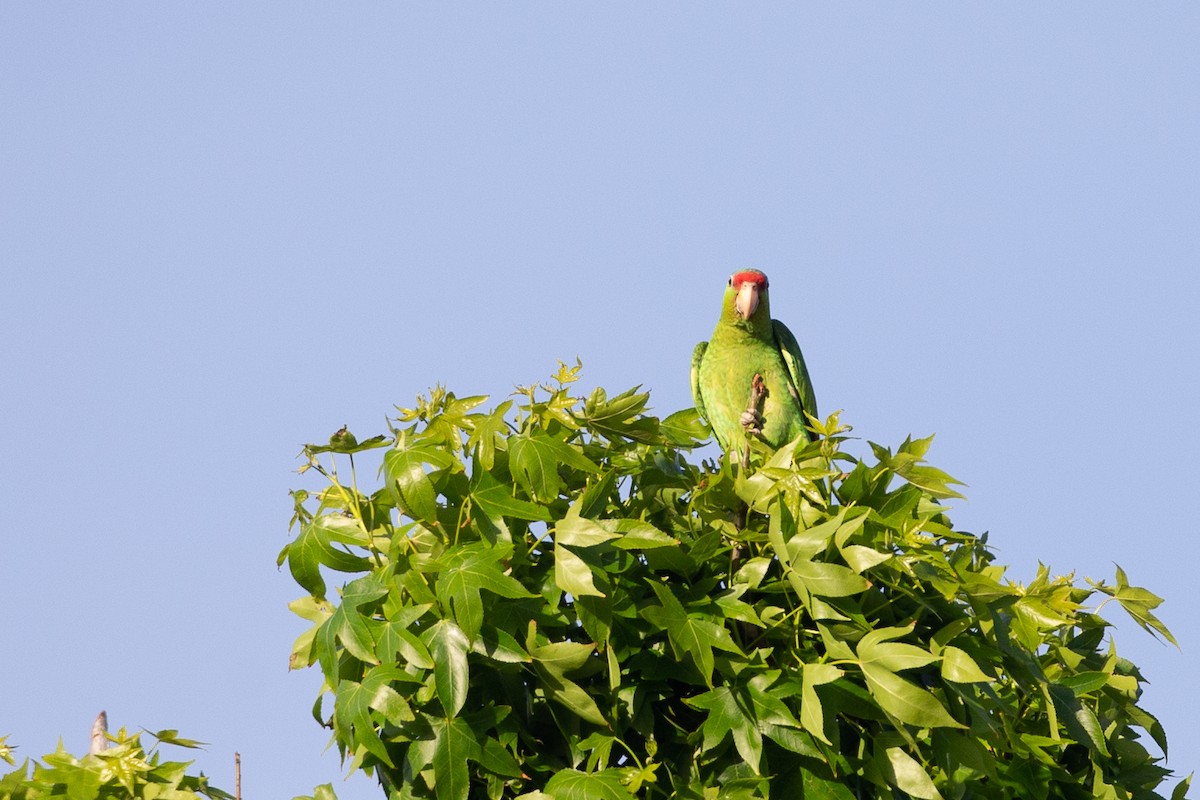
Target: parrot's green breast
[[726, 374]]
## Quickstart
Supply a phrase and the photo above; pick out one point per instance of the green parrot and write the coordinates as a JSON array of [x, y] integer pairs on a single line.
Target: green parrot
[[747, 342]]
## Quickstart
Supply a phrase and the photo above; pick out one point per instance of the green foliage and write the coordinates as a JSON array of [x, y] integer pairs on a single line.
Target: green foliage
[[125, 771], [548, 600]]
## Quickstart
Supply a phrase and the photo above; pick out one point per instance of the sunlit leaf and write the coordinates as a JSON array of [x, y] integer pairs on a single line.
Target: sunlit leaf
[[893, 656], [578, 531], [405, 472], [455, 743], [904, 701], [497, 501], [959, 667], [535, 459], [636, 534], [828, 580], [620, 416], [467, 571], [685, 428], [572, 574], [448, 646], [571, 784], [907, 774], [487, 431]]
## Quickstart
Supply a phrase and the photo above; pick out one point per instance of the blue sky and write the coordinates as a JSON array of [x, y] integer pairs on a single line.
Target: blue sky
[[227, 229]]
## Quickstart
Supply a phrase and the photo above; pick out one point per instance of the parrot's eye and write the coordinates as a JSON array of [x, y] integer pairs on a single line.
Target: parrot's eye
[[731, 280]]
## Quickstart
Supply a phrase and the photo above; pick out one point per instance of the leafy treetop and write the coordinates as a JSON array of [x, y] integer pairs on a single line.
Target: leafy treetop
[[547, 599], [127, 770]]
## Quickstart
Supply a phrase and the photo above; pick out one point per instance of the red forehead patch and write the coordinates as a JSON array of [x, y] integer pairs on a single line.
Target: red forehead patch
[[749, 276]]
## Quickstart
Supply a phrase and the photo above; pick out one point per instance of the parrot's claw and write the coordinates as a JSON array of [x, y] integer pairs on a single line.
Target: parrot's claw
[[752, 421]]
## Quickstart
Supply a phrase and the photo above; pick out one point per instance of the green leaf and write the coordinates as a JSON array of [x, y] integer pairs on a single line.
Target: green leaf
[[892, 656], [345, 442], [812, 716], [355, 701], [818, 788], [487, 431], [448, 646], [691, 635], [579, 531], [619, 417], [907, 464], [572, 574], [1085, 682], [322, 792], [594, 500], [380, 695], [685, 428], [171, 736], [352, 706], [571, 784], [499, 646], [904, 701], [495, 758], [636, 534], [959, 667], [311, 608], [535, 458], [726, 716], [769, 708], [1080, 721], [1181, 789], [562, 657], [862, 558], [314, 548], [303, 649], [1137, 603], [906, 773], [352, 628], [454, 744], [466, 571], [569, 694], [1150, 724], [405, 472], [827, 580], [951, 631], [396, 640], [497, 501]]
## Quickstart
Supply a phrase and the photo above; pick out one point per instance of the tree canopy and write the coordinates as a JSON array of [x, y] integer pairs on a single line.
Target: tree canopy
[[548, 599]]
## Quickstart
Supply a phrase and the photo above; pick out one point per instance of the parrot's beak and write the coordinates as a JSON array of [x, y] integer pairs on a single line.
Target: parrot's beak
[[747, 300]]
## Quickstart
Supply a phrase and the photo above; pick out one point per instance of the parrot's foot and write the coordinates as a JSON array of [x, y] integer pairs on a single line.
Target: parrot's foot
[[752, 421]]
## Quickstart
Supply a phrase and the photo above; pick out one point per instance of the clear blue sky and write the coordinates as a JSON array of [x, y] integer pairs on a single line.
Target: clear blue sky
[[227, 228]]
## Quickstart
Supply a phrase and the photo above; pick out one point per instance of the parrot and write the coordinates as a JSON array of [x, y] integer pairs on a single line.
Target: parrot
[[726, 384]]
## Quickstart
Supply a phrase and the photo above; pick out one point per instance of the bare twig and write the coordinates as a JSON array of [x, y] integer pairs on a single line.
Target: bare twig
[[99, 734], [237, 776]]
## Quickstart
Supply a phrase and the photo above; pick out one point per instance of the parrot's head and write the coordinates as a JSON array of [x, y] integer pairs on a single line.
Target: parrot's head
[[748, 290]]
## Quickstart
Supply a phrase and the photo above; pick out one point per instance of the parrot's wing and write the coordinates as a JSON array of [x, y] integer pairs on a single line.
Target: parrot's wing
[[697, 398], [793, 359]]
